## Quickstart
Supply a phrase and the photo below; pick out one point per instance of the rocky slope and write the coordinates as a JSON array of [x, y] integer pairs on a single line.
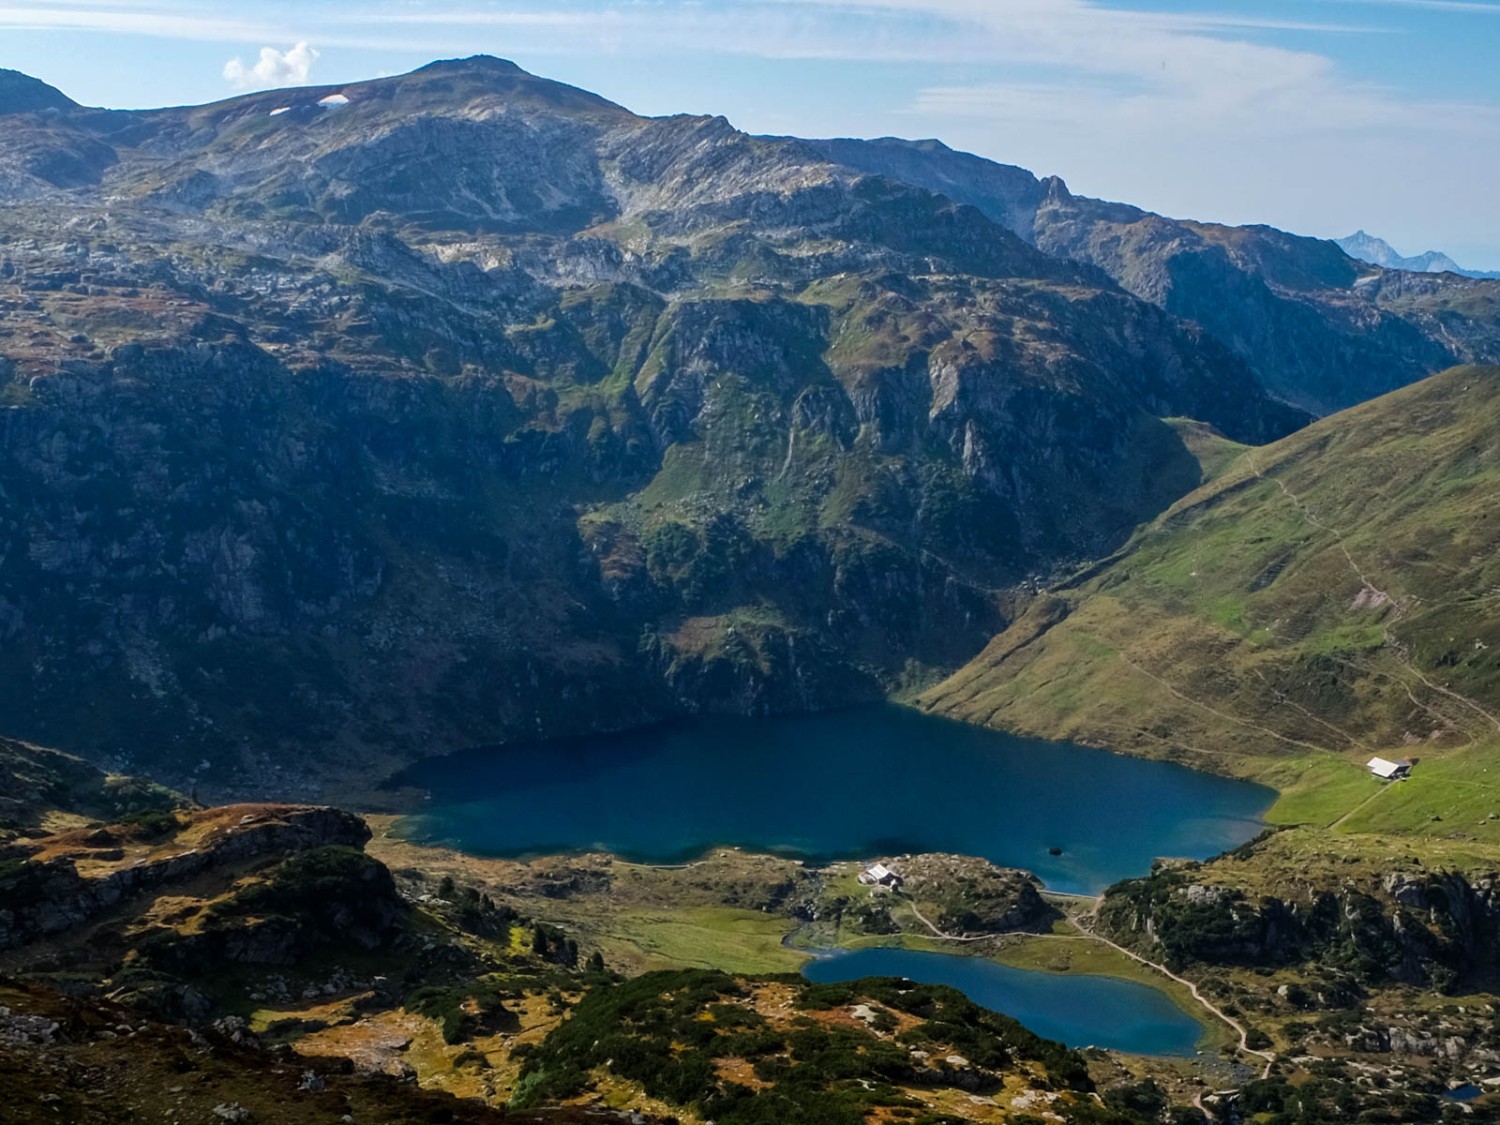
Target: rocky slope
[[61, 882], [1332, 592], [92, 1062], [1321, 329], [742, 1051], [1352, 914], [464, 405], [1349, 956], [39, 785]]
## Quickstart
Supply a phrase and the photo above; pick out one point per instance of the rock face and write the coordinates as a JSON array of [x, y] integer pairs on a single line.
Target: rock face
[[1412, 926], [49, 894], [480, 408], [1322, 330]]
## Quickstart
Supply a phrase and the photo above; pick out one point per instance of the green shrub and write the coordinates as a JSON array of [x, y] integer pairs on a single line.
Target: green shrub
[[1143, 1099], [333, 893], [151, 823], [462, 1011], [651, 1030]]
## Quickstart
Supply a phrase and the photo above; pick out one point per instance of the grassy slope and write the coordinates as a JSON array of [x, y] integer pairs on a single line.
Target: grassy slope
[[704, 937], [40, 787], [1315, 603]]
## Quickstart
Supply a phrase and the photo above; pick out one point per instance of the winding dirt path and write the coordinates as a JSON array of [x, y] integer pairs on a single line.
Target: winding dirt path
[[938, 934], [1339, 823], [1087, 933], [1398, 605], [1238, 1027], [1225, 715]]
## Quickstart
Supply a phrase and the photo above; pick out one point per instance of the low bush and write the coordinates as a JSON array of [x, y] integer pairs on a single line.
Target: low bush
[[667, 1030]]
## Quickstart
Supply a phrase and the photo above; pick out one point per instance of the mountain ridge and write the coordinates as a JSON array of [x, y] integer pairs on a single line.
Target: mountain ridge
[[468, 407], [21, 93], [1320, 330], [348, 424]]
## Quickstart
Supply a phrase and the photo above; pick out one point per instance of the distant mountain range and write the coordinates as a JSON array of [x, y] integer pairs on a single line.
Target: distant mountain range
[[347, 423], [1379, 252]]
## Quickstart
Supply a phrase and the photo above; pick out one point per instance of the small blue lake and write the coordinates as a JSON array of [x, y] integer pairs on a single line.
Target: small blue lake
[[871, 781], [1079, 1010]]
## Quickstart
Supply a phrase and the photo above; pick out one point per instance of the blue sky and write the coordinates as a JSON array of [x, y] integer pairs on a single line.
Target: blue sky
[[1318, 116]]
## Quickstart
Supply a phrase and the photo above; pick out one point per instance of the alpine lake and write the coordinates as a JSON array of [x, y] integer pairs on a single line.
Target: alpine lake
[[871, 781]]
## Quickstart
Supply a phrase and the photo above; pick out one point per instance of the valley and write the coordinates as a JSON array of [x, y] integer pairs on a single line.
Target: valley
[[652, 418], [1326, 987], [516, 610], [1247, 631]]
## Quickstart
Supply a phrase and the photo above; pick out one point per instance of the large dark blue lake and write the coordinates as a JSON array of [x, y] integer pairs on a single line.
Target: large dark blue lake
[[1079, 1010], [871, 781]]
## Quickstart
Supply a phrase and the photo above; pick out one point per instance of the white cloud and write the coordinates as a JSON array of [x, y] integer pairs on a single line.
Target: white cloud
[[1468, 7], [274, 68], [167, 22]]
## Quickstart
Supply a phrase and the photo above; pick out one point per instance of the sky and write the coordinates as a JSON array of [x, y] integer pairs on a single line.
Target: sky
[[1316, 116]]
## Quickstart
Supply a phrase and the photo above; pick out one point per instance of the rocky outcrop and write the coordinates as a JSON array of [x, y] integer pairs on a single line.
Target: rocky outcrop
[[330, 897], [36, 781], [49, 895], [1423, 928], [973, 896]]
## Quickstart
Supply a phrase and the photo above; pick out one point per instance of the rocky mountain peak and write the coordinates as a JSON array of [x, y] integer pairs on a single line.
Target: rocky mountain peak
[[473, 64], [447, 81], [21, 93], [1366, 247], [1056, 190]]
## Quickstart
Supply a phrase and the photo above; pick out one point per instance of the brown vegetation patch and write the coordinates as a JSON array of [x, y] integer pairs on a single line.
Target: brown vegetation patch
[[775, 1001], [376, 1045], [740, 1071]]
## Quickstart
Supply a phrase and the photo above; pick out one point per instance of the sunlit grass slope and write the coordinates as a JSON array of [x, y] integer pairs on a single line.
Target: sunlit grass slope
[[1328, 597]]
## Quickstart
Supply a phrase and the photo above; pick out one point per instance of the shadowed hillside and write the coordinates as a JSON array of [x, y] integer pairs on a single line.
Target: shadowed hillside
[[466, 406]]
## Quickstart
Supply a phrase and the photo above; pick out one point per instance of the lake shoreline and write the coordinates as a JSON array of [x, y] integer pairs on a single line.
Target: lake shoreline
[[822, 796], [882, 780], [681, 916], [1122, 1014]]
